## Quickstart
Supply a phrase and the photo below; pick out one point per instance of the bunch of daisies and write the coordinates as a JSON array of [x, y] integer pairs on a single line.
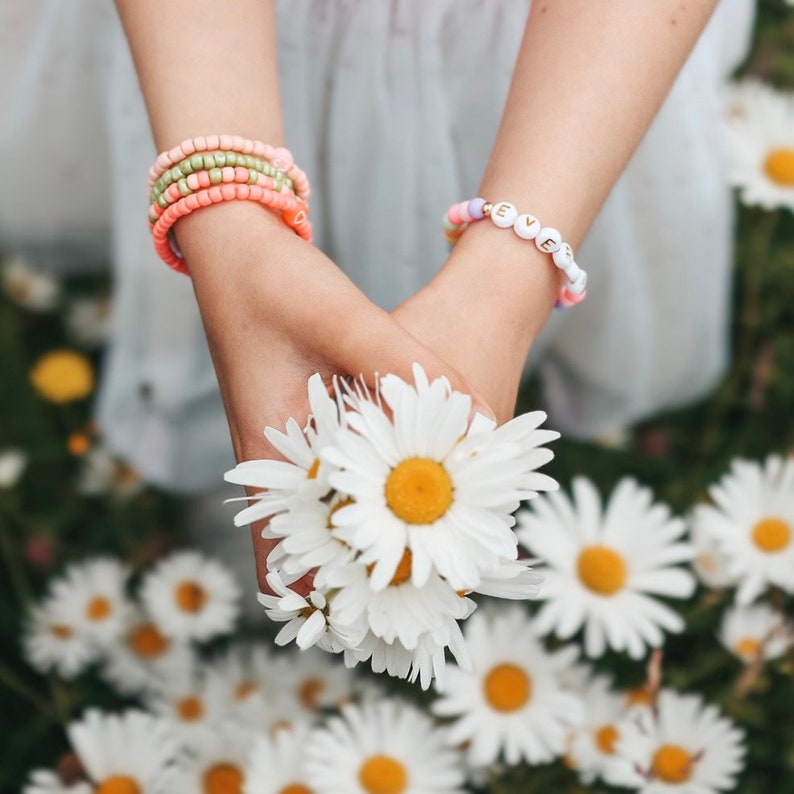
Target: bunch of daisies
[[399, 506]]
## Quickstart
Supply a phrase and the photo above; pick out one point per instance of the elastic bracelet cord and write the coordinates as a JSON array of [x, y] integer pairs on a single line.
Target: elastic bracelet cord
[[279, 157], [547, 239], [291, 210]]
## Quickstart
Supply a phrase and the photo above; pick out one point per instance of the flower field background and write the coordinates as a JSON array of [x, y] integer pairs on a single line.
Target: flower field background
[[64, 498]]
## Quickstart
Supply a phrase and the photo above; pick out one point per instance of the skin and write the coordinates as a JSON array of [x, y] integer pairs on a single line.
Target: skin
[[588, 81]]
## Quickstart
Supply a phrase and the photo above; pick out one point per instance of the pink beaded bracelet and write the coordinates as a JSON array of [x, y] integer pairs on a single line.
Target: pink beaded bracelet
[[280, 157], [548, 240], [293, 212]]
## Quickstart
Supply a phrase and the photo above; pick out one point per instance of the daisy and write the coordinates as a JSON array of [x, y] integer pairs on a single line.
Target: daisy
[[388, 746], [90, 597], [605, 565], [142, 655], [29, 287], [42, 781], [191, 597], [709, 563], [762, 154], [12, 464], [125, 753], [314, 680], [753, 631], [216, 760], [303, 475], [690, 748], [592, 744], [52, 645], [88, 321], [277, 764], [511, 703], [189, 699], [752, 521], [307, 619], [245, 672], [422, 479], [101, 473]]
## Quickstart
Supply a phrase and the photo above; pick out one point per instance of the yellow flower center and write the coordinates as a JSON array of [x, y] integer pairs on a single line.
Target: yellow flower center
[[672, 764], [61, 631], [779, 166], [311, 474], [606, 737], [146, 640], [78, 444], [419, 490], [245, 689], [223, 779], [747, 647], [639, 696], [190, 709], [382, 774], [295, 788], [190, 596], [507, 687], [98, 608], [118, 784], [63, 376], [310, 691], [602, 570], [772, 534]]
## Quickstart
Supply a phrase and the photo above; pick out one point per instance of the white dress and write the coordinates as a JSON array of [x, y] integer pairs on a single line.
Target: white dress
[[398, 101]]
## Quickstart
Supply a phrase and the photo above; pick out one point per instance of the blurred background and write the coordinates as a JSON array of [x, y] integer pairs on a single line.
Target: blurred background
[[64, 495]]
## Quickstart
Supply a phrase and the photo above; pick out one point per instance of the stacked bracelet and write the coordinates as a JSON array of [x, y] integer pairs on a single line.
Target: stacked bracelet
[[504, 215], [209, 170]]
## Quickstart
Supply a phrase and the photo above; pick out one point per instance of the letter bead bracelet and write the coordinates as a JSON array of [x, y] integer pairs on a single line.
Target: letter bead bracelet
[[548, 240], [215, 168]]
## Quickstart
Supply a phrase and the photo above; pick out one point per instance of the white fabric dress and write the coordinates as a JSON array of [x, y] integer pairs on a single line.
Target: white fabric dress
[[399, 101]]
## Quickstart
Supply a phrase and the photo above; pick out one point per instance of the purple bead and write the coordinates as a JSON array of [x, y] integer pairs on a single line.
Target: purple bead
[[475, 208]]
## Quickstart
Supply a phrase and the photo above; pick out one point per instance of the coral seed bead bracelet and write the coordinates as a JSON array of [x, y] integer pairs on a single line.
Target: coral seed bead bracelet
[[548, 240], [212, 169]]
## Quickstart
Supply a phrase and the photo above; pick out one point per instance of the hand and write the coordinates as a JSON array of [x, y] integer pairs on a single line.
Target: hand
[[276, 310]]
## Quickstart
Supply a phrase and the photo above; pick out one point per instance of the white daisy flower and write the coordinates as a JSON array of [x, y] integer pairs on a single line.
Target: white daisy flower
[[314, 680], [42, 781], [303, 475], [605, 566], [382, 747], [90, 596], [400, 612], [511, 703], [189, 699], [709, 563], [308, 540], [690, 748], [591, 749], [12, 464], [191, 597], [511, 579], [245, 672], [52, 645], [128, 753], [424, 480], [216, 761], [277, 764], [88, 321], [748, 632], [30, 287], [307, 619], [760, 138], [752, 520], [142, 655]]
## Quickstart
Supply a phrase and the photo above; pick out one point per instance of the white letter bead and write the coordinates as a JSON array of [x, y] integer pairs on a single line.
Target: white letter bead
[[526, 227], [578, 286], [564, 256], [571, 271], [503, 214], [548, 240]]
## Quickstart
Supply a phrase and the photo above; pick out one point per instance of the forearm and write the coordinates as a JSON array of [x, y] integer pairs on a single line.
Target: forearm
[[589, 78]]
